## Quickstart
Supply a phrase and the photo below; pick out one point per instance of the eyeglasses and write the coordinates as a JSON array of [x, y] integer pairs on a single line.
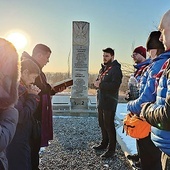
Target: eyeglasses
[[134, 55]]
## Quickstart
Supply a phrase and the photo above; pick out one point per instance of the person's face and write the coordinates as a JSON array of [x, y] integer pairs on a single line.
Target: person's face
[[152, 53], [44, 59], [107, 58], [28, 78], [164, 28], [137, 58]]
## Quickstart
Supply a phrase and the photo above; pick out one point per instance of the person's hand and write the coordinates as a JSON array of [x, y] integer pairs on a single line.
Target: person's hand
[[142, 105], [33, 89], [96, 83], [61, 88], [127, 94], [141, 116], [127, 97]]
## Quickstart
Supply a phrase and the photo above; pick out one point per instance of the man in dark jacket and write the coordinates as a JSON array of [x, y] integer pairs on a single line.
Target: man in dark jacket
[[108, 83]]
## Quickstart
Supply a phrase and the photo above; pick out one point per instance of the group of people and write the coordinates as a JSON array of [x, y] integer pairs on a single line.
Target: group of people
[[150, 99], [26, 111], [154, 149], [27, 102]]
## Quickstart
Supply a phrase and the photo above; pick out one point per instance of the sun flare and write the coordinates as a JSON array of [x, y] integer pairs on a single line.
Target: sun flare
[[19, 40]]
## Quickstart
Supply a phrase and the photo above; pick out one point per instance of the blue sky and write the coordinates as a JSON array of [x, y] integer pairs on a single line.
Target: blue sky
[[119, 24]]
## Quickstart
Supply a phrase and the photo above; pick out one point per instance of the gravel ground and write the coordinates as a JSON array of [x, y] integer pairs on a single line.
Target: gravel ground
[[71, 147]]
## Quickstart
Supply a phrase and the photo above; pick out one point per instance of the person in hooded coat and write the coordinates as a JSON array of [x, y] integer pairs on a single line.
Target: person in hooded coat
[[8, 97], [27, 104]]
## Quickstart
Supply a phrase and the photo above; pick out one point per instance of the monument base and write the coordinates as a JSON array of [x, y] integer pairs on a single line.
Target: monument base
[[79, 103]]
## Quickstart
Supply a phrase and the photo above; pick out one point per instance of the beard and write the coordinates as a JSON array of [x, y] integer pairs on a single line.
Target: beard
[[108, 62]]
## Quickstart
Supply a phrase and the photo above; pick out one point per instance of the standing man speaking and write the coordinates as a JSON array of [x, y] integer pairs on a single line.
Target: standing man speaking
[[108, 83]]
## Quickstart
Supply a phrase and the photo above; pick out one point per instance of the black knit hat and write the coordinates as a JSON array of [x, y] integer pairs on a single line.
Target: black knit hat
[[153, 41], [109, 50]]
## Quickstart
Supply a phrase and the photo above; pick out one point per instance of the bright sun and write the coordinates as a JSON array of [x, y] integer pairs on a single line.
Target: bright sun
[[18, 40]]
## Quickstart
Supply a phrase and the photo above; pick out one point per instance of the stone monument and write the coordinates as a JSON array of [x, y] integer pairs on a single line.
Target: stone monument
[[80, 65]]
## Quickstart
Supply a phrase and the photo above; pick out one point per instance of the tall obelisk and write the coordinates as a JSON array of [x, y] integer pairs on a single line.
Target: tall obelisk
[[80, 65]]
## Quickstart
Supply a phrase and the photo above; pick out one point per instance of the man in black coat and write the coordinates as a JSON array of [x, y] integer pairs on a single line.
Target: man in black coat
[[108, 83]]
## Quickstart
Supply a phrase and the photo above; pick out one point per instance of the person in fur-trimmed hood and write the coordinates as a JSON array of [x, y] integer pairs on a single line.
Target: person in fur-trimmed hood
[[8, 97]]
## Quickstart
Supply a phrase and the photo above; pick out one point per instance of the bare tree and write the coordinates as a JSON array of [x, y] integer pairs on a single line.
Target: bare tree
[[127, 69]]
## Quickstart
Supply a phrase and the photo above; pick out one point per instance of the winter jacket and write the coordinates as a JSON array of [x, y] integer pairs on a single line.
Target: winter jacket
[[147, 85], [140, 67], [26, 106], [8, 122], [8, 97], [111, 78], [134, 90], [157, 114]]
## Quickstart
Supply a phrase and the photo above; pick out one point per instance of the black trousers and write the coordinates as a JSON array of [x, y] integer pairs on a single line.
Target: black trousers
[[35, 148], [150, 155], [106, 123], [1, 166]]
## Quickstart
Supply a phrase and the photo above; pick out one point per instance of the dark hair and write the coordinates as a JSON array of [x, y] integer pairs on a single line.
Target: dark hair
[[159, 51], [30, 65], [109, 50], [41, 48], [153, 41]]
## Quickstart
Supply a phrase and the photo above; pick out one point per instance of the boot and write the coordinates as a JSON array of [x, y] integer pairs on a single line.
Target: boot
[[137, 165], [108, 154], [99, 147], [134, 158]]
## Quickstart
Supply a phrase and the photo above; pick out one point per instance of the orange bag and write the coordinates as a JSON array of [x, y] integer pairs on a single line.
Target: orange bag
[[135, 126]]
